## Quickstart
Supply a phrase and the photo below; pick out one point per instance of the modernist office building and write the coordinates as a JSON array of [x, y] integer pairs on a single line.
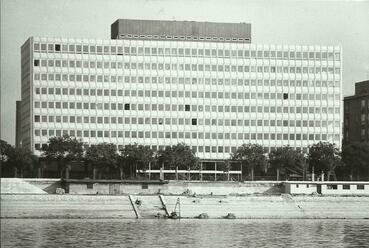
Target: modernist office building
[[356, 114], [161, 83]]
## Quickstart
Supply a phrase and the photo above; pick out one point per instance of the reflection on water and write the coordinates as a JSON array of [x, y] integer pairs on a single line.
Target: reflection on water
[[184, 233]]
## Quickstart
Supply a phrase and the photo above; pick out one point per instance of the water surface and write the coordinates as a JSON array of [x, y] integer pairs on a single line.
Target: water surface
[[183, 233]]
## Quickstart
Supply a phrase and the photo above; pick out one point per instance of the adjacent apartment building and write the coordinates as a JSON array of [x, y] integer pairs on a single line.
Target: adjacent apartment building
[[356, 114], [158, 83]]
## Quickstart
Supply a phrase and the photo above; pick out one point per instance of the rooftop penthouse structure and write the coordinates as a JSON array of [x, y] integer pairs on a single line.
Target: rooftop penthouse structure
[[212, 94]]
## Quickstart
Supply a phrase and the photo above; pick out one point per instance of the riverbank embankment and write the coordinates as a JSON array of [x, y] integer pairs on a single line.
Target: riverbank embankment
[[151, 206]]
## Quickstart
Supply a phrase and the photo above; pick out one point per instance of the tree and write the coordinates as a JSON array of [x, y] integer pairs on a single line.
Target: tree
[[287, 160], [22, 159], [325, 157], [103, 157], [136, 157], [5, 150], [356, 159], [179, 156], [63, 150], [146, 156], [252, 156], [16, 160]]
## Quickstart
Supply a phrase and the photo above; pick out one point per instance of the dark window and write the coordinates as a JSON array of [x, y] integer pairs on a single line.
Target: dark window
[[360, 186], [37, 118], [126, 106], [187, 108], [332, 186], [346, 186], [90, 185], [36, 62], [297, 185], [285, 96], [194, 122], [145, 186], [37, 146], [57, 47]]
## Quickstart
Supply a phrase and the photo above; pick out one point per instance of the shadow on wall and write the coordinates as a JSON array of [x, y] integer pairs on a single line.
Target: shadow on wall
[[51, 189], [275, 190], [48, 186]]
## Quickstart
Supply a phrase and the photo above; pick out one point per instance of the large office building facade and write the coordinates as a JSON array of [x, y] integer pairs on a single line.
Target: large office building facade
[[212, 91], [356, 114]]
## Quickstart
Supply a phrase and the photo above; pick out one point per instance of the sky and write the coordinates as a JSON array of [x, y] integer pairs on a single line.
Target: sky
[[296, 22]]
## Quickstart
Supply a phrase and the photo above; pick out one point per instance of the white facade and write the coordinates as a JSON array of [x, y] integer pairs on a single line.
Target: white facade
[[212, 96]]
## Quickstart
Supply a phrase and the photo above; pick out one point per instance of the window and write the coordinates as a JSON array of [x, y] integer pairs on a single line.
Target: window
[[332, 186], [285, 96], [360, 186], [187, 108], [36, 62], [194, 122], [57, 47], [126, 106], [346, 186]]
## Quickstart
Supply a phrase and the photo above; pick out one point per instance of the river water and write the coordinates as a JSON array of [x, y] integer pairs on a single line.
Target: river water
[[183, 233]]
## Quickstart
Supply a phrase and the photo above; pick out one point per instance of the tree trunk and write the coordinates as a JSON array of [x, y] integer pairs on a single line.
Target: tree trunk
[[121, 173], [277, 174], [15, 172], [94, 173], [67, 172], [39, 173], [252, 173], [177, 173]]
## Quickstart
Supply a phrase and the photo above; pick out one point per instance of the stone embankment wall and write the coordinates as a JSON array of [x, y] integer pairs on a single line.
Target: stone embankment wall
[[180, 187], [104, 206], [66, 206]]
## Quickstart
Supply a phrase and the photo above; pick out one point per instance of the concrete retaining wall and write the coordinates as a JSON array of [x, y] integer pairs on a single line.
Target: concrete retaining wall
[[65, 206], [179, 187]]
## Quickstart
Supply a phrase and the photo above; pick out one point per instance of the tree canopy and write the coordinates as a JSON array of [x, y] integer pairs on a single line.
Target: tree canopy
[[180, 156], [102, 155], [63, 149], [356, 159], [324, 156], [251, 155], [16, 160], [287, 160]]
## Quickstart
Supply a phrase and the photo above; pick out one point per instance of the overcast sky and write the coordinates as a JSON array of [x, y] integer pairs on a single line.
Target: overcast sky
[[344, 23]]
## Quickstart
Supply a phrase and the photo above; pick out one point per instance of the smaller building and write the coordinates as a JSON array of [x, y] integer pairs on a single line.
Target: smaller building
[[356, 114], [326, 188], [300, 187]]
